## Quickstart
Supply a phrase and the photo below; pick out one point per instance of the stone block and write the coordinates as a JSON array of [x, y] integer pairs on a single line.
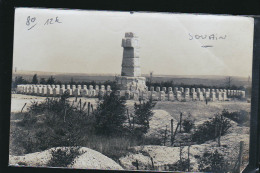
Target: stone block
[[170, 96], [49, 91], [213, 96], [175, 89], [162, 96], [56, 91], [179, 95], [194, 96], [201, 96], [164, 89]]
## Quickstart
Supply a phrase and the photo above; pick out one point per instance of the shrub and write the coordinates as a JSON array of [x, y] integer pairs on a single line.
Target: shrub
[[183, 165], [61, 124], [212, 162], [240, 117], [142, 115], [187, 124], [110, 115], [209, 130], [63, 157]]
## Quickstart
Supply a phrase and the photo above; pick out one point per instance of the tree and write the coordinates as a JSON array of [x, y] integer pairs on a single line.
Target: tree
[[110, 115], [51, 80], [42, 81], [18, 80], [143, 114], [228, 82], [34, 79], [212, 162], [72, 81]]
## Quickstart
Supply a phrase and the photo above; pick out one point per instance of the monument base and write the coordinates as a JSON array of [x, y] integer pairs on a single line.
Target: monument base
[[131, 83]]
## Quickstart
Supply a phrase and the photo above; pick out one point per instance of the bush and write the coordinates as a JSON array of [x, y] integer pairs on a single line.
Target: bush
[[142, 115], [240, 117], [187, 124], [63, 157], [110, 115], [209, 130], [183, 165], [212, 162], [53, 123]]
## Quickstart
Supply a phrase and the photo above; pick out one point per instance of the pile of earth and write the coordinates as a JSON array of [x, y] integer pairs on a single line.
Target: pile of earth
[[88, 159]]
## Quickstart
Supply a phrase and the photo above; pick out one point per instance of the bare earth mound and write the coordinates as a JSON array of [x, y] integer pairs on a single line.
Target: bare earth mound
[[89, 159]]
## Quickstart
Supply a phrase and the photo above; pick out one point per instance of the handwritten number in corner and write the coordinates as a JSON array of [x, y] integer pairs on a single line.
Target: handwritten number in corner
[[30, 22], [51, 21]]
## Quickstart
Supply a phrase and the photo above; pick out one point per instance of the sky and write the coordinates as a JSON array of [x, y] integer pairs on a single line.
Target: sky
[[89, 42]]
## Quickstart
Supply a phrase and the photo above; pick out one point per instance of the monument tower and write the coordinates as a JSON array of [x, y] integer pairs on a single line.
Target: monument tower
[[131, 78]]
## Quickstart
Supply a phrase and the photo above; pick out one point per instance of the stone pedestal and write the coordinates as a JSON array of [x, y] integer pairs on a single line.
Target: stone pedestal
[[133, 83], [130, 78]]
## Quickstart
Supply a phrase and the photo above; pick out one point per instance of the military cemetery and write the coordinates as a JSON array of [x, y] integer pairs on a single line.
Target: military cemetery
[[131, 92]]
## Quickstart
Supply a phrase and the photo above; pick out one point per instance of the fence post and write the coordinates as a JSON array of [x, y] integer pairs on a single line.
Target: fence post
[[175, 133], [171, 131], [181, 154], [180, 121], [152, 163], [137, 166], [189, 158], [80, 105], [220, 130], [240, 155], [23, 107], [165, 137], [92, 108], [129, 121], [88, 108]]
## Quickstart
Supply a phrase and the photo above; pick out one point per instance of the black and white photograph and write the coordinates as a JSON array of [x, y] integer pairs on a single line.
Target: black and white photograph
[[133, 91]]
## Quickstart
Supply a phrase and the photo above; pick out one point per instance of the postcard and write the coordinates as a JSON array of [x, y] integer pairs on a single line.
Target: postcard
[[114, 90]]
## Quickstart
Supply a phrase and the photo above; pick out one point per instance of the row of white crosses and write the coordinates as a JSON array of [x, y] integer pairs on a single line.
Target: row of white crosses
[[57, 90], [180, 94], [196, 94]]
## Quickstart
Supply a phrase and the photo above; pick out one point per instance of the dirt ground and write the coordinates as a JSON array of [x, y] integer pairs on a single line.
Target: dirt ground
[[164, 111]]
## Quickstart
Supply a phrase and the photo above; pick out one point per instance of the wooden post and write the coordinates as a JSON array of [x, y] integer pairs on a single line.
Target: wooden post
[[84, 105], [189, 158], [23, 107], [133, 122], [137, 166], [92, 108], [129, 121], [175, 133], [80, 105], [180, 121], [216, 131], [220, 130], [165, 136], [88, 108], [171, 131], [181, 154], [152, 163], [64, 118], [240, 155]]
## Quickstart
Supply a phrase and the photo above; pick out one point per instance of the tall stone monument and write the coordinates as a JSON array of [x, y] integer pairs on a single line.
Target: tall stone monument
[[131, 78]]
